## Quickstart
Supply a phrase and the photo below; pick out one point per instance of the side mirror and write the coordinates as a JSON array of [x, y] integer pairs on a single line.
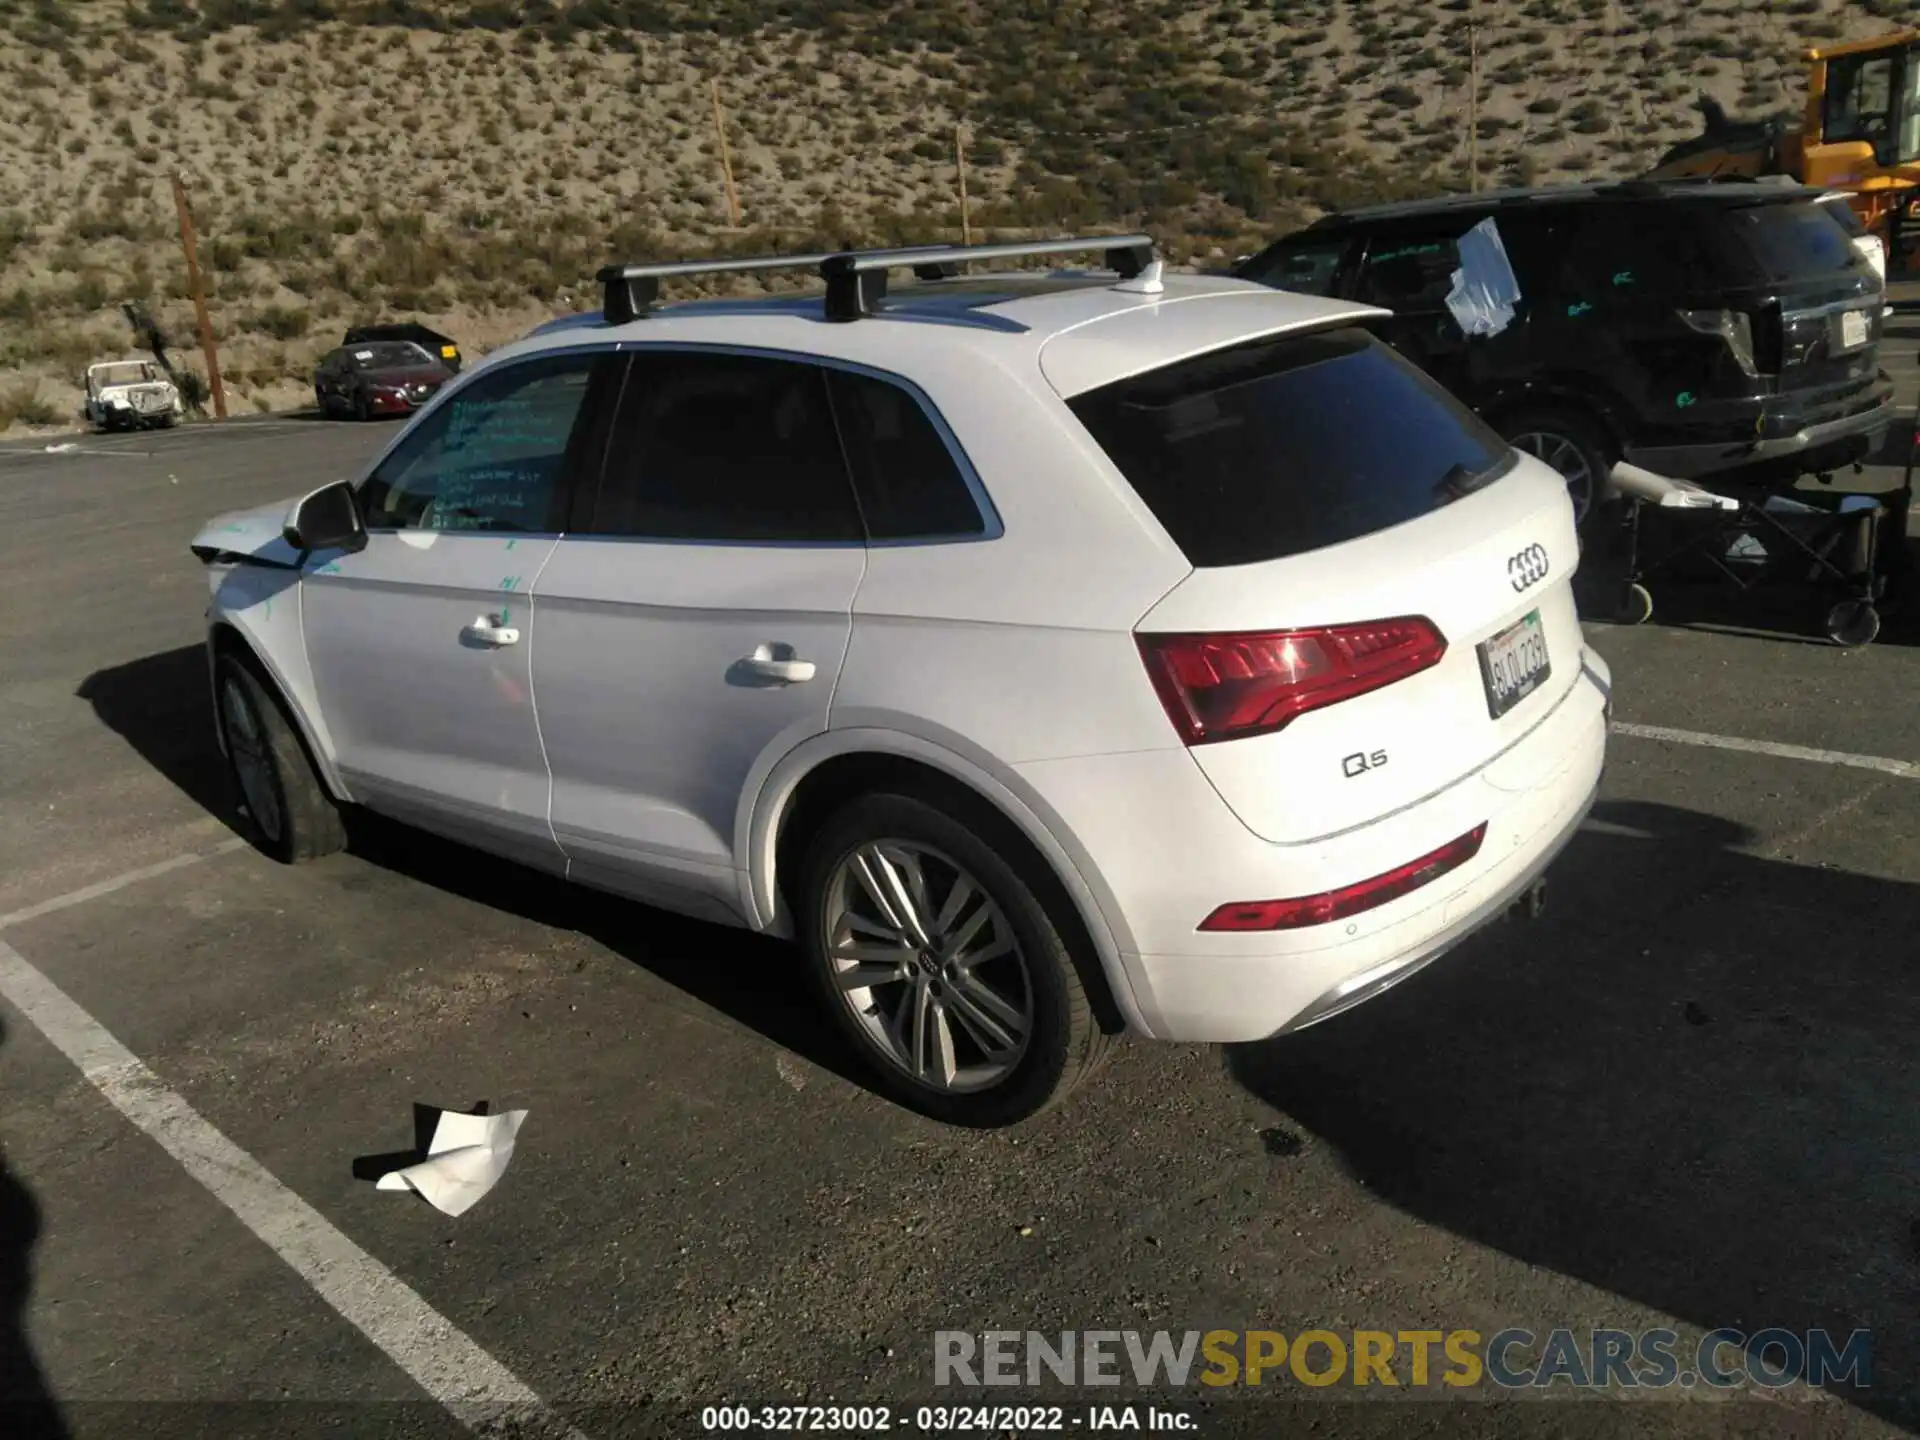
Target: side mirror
[[328, 519]]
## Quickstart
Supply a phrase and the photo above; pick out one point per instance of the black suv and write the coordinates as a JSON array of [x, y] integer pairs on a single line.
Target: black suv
[[1688, 327]]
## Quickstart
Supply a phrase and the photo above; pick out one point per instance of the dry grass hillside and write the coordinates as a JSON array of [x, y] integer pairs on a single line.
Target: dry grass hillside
[[473, 161]]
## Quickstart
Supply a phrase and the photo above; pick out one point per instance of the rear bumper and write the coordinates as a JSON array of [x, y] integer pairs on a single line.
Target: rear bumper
[[1363, 987], [1731, 434], [1164, 878]]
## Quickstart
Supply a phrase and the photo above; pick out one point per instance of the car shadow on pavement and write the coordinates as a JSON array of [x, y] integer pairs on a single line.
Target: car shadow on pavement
[[1691, 1084], [757, 982], [162, 705], [27, 1408]]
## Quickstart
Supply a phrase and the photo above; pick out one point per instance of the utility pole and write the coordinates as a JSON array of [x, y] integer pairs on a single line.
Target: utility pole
[[726, 157], [960, 163], [188, 244], [1473, 105]]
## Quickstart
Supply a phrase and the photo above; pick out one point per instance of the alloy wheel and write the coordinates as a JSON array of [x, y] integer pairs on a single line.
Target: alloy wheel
[[929, 965], [252, 764]]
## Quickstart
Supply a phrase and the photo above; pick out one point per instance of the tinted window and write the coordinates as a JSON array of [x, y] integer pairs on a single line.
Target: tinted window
[[1859, 99], [1615, 254], [1791, 241], [1843, 215], [726, 448], [908, 484], [388, 355], [490, 458], [1409, 272], [1289, 445], [1304, 267]]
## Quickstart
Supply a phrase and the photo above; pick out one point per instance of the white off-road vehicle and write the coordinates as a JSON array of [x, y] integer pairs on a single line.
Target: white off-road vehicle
[[130, 394]]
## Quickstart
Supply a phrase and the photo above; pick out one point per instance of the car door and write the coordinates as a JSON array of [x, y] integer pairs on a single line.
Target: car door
[[420, 644], [1410, 272], [695, 626]]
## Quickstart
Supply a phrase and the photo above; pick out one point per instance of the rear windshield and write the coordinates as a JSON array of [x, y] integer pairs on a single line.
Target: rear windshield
[[1289, 444], [1843, 215], [1792, 241]]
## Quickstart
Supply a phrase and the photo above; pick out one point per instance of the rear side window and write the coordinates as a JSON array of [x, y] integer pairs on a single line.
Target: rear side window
[[909, 486], [1614, 254], [1791, 241], [726, 448], [1289, 444]]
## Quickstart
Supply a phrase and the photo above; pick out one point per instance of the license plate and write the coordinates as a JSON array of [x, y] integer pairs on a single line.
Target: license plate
[[1514, 663], [1853, 329]]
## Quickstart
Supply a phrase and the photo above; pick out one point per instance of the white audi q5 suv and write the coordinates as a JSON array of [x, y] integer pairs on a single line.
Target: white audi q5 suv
[[1050, 655]]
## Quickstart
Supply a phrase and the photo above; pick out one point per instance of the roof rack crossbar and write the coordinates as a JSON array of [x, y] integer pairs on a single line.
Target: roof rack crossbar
[[857, 279]]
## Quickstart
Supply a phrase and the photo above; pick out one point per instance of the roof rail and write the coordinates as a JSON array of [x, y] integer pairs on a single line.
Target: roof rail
[[857, 279]]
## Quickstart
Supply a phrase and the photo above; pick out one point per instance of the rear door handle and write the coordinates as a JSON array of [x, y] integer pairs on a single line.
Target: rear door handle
[[488, 632], [786, 671]]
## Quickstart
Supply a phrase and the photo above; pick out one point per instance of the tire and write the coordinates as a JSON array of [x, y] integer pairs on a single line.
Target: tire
[[963, 1081], [1853, 623], [1572, 442], [289, 815]]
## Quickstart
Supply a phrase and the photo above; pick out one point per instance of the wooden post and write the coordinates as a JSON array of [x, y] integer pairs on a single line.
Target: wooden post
[[188, 244], [726, 156], [1473, 106], [960, 163]]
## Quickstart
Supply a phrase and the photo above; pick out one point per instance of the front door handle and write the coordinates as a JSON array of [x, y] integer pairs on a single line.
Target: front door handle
[[785, 671], [488, 631]]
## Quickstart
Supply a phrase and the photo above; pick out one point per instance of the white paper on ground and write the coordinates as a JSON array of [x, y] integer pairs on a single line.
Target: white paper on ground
[[465, 1159]]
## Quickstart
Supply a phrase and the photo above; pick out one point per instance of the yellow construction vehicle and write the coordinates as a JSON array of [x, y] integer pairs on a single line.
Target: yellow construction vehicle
[[1860, 133]]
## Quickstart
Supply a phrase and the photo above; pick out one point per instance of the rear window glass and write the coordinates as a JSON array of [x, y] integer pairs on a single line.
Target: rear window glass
[[1289, 444], [1788, 242], [1843, 215]]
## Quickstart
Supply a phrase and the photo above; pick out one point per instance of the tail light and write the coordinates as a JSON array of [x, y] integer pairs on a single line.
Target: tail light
[[1231, 686], [1331, 905], [1735, 327]]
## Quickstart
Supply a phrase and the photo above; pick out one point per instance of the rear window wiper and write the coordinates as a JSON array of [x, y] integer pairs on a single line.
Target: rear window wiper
[[1458, 481]]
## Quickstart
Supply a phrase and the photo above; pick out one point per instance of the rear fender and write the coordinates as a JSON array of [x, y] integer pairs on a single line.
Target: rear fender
[[757, 831]]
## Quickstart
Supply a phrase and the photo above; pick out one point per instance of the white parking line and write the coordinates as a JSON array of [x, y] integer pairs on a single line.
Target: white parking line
[[1904, 769], [474, 1387], [118, 882]]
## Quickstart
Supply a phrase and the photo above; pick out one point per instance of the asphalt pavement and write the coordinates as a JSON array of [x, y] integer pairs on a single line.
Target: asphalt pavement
[[1684, 1098]]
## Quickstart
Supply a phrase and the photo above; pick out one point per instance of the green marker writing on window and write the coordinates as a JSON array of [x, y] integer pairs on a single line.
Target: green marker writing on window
[[1623, 277], [1579, 307], [1683, 399]]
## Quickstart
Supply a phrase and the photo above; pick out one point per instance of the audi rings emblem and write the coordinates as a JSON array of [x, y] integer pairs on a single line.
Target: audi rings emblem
[[1528, 568]]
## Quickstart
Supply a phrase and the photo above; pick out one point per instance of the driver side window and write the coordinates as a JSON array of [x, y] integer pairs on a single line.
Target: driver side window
[[489, 458]]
